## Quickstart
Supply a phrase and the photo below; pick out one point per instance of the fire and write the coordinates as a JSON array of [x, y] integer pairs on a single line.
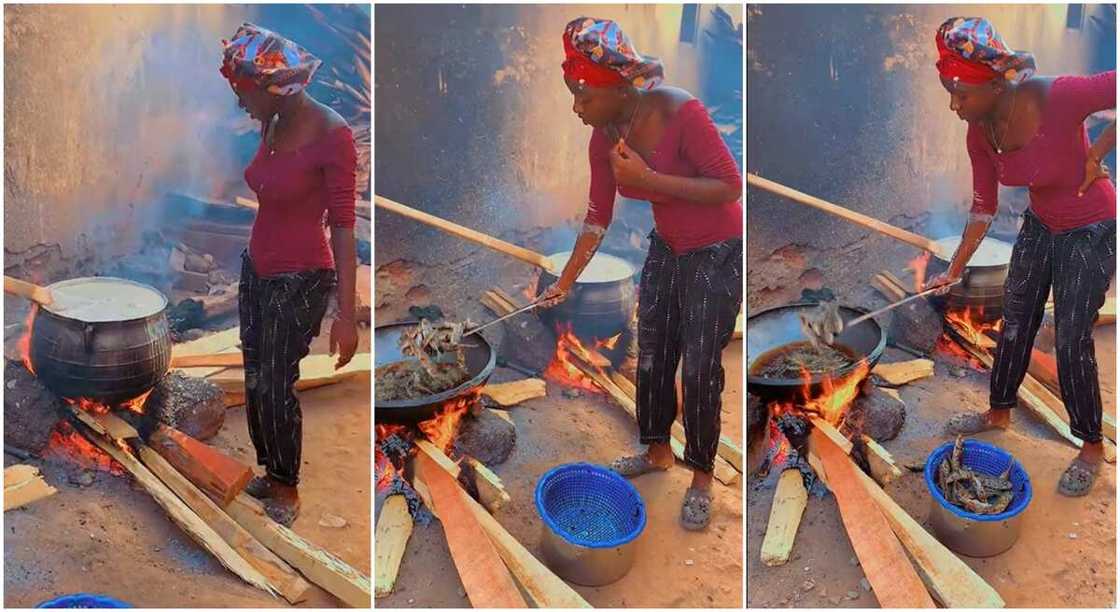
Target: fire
[[136, 404], [66, 443], [779, 445], [383, 470], [87, 405], [833, 400], [918, 265], [563, 370], [25, 341], [970, 324], [442, 428]]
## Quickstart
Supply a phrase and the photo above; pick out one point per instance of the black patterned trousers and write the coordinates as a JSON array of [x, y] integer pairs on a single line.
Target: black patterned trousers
[[280, 315], [687, 305], [1078, 264]]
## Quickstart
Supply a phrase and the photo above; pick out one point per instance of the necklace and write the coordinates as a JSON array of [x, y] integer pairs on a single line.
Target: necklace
[[633, 118], [1007, 126]]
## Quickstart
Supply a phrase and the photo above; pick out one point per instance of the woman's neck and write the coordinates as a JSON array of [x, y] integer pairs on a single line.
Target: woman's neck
[[628, 111], [1005, 104], [292, 107]]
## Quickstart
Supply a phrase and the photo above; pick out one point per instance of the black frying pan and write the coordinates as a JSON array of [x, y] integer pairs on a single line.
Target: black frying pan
[[480, 364], [775, 327]]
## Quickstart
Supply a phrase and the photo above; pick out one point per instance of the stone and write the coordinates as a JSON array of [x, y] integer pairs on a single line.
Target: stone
[[883, 415], [853, 594], [865, 585], [689, 562], [488, 438], [194, 406], [808, 585], [83, 478], [835, 600], [30, 409], [332, 520], [916, 325]]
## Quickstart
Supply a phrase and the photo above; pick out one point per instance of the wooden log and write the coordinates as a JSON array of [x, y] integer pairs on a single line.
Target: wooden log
[[883, 468], [394, 528], [491, 491], [330, 573], [951, 581], [23, 485], [902, 372], [231, 359], [889, 289], [218, 475], [832, 433], [183, 516], [291, 586], [884, 562], [513, 393], [545, 588], [222, 342], [786, 510], [485, 578]]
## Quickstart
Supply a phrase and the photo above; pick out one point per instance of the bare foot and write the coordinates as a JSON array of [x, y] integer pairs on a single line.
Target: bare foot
[[701, 481], [283, 504], [1092, 452], [660, 454]]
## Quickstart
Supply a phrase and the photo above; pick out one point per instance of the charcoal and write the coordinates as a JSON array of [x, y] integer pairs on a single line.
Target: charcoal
[[194, 406], [30, 410]]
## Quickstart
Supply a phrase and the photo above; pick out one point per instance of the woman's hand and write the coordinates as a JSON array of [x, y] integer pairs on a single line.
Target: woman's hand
[[1094, 169], [554, 295], [944, 281], [344, 339], [630, 170]]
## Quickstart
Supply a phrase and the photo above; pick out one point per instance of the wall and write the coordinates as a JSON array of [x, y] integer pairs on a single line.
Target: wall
[[474, 122], [107, 108], [854, 113]]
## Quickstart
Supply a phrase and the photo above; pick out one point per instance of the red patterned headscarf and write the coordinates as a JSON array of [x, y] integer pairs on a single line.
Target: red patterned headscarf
[[257, 57], [971, 51], [599, 54]]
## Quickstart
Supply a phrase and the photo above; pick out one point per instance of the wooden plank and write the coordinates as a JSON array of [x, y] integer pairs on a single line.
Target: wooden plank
[[221, 342], [901, 372], [183, 516], [951, 581], [218, 475], [485, 578], [789, 503], [330, 573], [893, 580], [315, 371], [832, 433], [740, 327], [1044, 368], [889, 289], [1107, 313], [23, 485], [291, 586], [232, 359], [513, 393], [883, 468], [545, 588], [491, 491], [394, 528]]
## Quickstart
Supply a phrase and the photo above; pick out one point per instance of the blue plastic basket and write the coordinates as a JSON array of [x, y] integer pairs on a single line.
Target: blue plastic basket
[[589, 505], [84, 600], [987, 459]]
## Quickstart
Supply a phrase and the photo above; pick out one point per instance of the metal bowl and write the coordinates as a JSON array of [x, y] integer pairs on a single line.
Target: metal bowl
[[978, 535]]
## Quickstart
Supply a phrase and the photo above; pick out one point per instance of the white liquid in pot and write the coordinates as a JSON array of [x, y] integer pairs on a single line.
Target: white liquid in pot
[[602, 268], [991, 252], [97, 300]]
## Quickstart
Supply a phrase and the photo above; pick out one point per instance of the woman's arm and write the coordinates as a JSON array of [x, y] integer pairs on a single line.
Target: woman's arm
[[1094, 166], [340, 174]]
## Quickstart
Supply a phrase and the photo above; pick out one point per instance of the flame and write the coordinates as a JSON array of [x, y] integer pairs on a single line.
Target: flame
[[832, 402], [918, 265], [970, 323], [383, 470], [444, 426], [779, 445], [88, 405], [66, 443], [136, 404], [562, 370], [25, 341], [949, 347]]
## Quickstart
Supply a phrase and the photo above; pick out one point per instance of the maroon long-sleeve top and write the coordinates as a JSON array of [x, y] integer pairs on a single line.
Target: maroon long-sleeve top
[[690, 146], [1052, 164], [296, 189]]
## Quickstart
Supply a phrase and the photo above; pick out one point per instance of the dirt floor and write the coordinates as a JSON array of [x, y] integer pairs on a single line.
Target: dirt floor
[[1065, 557], [110, 537], [674, 567]]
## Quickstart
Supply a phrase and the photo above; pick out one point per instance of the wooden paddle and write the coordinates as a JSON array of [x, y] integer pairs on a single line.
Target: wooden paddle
[[848, 215], [485, 240], [35, 293]]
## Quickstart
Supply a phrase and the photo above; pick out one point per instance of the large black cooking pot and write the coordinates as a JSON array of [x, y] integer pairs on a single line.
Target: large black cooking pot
[[480, 358], [601, 302], [779, 326], [110, 348]]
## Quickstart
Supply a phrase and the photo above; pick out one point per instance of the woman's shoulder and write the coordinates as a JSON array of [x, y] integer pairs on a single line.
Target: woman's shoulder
[[672, 99]]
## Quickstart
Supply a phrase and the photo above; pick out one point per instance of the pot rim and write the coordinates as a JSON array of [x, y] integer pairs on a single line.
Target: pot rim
[[107, 280]]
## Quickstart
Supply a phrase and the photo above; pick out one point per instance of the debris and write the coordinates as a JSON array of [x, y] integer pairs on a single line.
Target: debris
[[513, 393], [689, 562], [865, 585], [83, 478], [808, 585], [853, 594], [23, 485], [901, 372], [332, 520]]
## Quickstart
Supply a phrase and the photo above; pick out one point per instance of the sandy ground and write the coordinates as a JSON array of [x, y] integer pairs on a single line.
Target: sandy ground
[[112, 538], [674, 567], [1065, 557]]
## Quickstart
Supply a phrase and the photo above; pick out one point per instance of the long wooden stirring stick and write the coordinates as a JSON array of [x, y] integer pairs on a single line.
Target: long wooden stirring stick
[[36, 293]]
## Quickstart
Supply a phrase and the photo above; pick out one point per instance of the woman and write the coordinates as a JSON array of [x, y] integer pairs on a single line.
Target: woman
[[659, 144], [305, 167], [1025, 130]]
